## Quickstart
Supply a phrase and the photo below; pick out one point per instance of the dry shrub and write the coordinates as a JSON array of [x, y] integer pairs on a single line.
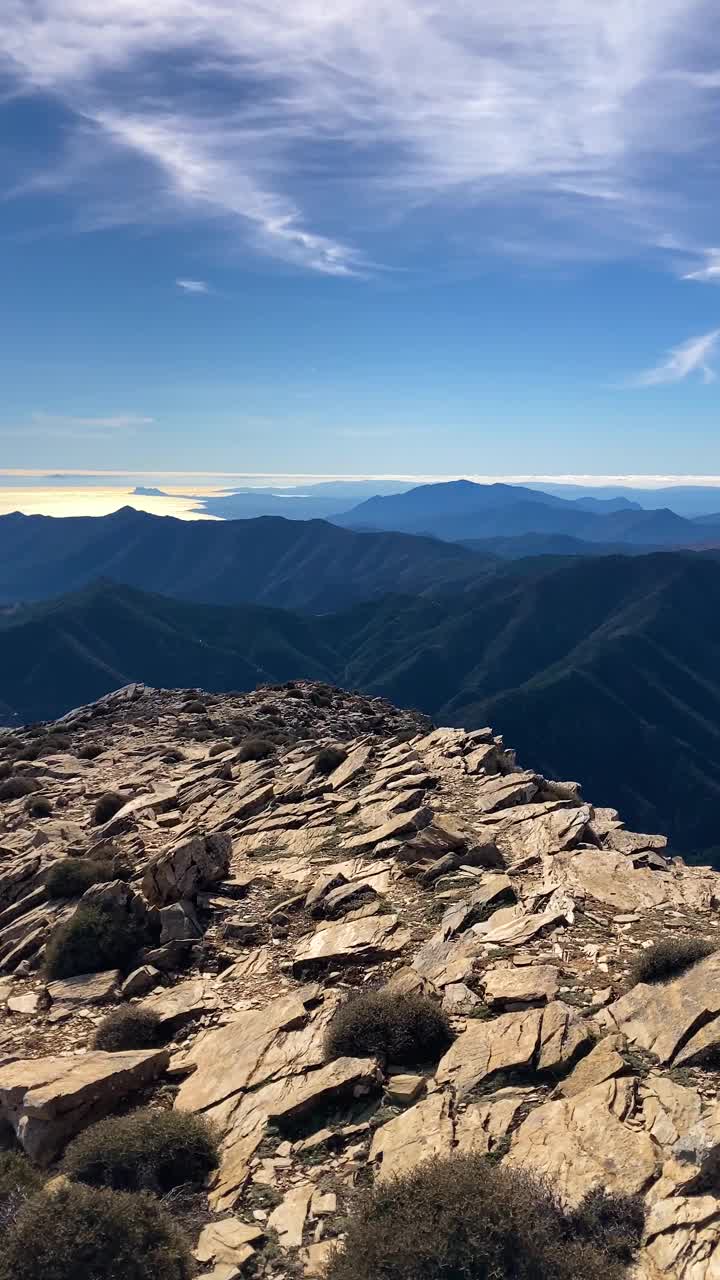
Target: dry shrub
[[465, 1218], [90, 941], [667, 958], [70, 877], [254, 748], [401, 1028], [39, 807], [147, 1150], [328, 759], [18, 1180], [77, 1231], [131, 1027], [15, 787], [106, 807]]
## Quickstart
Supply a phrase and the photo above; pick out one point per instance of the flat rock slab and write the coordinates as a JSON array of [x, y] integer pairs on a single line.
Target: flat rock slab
[[180, 1004], [584, 1144], [85, 988], [506, 791], [668, 1019], [603, 1063], [374, 938], [403, 824], [483, 1124], [527, 984], [545, 1040], [500, 1044], [228, 1241], [519, 927], [48, 1100], [423, 1132]]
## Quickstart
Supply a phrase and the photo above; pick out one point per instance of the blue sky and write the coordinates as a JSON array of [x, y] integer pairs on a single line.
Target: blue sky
[[360, 237]]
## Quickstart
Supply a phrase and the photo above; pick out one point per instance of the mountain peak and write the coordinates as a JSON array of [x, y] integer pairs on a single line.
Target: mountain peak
[[361, 819]]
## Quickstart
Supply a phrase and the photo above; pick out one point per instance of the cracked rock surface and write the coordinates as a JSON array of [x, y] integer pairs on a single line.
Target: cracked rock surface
[[268, 892]]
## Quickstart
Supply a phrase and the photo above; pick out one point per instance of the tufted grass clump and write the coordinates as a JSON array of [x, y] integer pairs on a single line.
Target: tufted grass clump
[[328, 759], [465, 1218], [131, 1027], [147, 1150], [75, 1231], [667, 958], [106, 807], [70, 877], [401, 1028], [92, 940]]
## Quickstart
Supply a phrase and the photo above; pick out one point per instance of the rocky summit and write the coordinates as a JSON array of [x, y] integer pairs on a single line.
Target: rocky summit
[[275, 853]]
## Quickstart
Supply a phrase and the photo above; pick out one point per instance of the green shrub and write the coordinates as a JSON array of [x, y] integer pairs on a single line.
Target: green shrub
[[107, 806], [328, 759], [39, 807], [70, 877], [17, 786], [78, 1232], [90, 941], [143, 1151], [256, 749], [465, 1218], [402, 1028], [18, 1180], [131, 1027], [667, 958]]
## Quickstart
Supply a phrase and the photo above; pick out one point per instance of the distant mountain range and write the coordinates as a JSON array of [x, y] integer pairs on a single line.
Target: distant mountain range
[[463, 511], [306, 565], [603, 669]]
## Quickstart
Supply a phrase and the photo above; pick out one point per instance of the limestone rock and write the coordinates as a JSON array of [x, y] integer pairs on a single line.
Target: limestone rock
[[85, 988], [403, 824], [423, 1132], [178, 1005], [227, 1241], [501, 1044], [584, 1143], [484, 1123], [47, 1100], [662, 1017], [375, 938], [603, 1063], [530, 984], [187, 867]]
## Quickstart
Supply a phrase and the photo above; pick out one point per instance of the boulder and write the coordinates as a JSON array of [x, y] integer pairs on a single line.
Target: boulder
[[369, 940], [525, 985], [669, 1019], [181, 871], [85, 988], [584, 1143], [48, 1100], [423, 1132]]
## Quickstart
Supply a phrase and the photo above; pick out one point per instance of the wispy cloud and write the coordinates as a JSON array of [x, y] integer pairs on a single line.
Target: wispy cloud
[[193, 286], [509, 120], [67, 425], [694, 356], [710, 273]]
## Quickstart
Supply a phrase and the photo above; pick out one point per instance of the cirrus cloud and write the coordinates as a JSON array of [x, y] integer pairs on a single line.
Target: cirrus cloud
[[309, 131]]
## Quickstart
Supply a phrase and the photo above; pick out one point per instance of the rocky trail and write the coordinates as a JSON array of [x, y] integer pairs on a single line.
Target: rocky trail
[[423, 860]]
